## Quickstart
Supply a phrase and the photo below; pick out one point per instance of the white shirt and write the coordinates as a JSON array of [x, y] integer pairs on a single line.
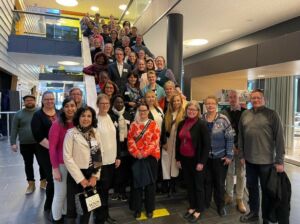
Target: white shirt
[[120, 68], [108, 139]]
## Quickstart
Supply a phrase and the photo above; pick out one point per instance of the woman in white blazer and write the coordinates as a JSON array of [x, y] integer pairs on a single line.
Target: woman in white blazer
[[83, 158]]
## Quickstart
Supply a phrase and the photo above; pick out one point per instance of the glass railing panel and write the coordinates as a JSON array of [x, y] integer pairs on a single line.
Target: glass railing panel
[[46, 25]]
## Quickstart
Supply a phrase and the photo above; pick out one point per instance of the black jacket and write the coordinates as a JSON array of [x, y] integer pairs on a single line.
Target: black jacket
[[122, 146], [200, 139], [278, 197], [119, 79], [40, 125]]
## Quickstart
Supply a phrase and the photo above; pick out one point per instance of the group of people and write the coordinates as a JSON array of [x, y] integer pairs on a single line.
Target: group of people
[[145, 132], [77, 148]]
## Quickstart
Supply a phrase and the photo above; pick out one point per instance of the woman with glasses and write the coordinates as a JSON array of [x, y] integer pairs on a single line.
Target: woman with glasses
[[110, 89], [220, 154], [110, 157], [143, 146], [40, 126], [192, 147], [56, 139]]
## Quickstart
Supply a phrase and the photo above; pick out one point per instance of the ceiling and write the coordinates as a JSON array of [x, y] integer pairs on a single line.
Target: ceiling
[[221, 21], [106, 7]]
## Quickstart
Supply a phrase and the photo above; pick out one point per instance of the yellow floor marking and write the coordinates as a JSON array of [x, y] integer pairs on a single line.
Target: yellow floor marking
[[156, 214]]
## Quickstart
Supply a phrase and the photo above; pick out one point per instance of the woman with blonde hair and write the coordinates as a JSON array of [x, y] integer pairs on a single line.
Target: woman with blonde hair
[[174, 115], [192, 149], [155, 112]]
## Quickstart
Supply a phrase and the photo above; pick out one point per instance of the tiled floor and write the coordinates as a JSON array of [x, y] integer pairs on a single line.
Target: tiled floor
[[17, 208]]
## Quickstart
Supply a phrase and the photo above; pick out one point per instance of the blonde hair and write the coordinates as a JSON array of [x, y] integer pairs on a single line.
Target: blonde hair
[[100, 97], [149, 93], [180, 114], [211, 98], [169, 83], [192, 103]]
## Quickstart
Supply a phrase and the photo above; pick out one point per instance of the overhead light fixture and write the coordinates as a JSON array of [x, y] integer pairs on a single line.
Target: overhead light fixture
[[260, 76], [195, 42], [127, 13], [123, 7], [69, 3], [95, 8], [68, 63]]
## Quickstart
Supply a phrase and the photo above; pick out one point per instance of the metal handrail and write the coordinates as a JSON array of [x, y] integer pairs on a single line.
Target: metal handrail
[[7, 119], [45, 14]]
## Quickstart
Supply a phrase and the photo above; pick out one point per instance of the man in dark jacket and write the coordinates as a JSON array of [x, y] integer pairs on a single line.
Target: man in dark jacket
[[234, 113], [261, 147], [119, 70]]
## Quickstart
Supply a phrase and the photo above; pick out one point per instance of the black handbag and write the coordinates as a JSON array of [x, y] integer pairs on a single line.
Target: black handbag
[[87, 201]]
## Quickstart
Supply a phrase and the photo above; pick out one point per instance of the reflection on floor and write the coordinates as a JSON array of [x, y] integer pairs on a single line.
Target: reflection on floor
[[17, 208]]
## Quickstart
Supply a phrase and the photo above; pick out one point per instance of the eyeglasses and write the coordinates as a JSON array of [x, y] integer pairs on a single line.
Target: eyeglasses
[[104, 103], [50, 99], [109, 87], [193, 110]]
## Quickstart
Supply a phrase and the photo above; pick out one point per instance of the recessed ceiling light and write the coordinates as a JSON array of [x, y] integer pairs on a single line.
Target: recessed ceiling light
[[122, 7], [69, 3], [127, 12], [68, 63], [195, 42], [260, 76], [95, 8]]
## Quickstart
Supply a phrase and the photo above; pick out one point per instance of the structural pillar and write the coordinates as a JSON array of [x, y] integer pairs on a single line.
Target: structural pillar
[[174, 45]]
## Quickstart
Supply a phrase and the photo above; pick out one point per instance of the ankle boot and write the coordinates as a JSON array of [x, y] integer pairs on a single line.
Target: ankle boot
[[240, 205], [227, 199], [31, 187]]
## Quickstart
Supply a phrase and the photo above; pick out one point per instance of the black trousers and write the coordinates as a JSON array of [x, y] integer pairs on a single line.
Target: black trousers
[[44, 158], [28, 151], [215, 175], [255, 172], [72, 189], [123, 175], [106, 181], [150, 190], [194, 180]]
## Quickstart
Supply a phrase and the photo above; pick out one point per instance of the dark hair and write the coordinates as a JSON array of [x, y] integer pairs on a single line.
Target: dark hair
[[137, 84], [124, 23], [143, 104], [150, 59], [116, 89], [258, 91], [62, 115], [80, 111], [101, 54], [116, 96]]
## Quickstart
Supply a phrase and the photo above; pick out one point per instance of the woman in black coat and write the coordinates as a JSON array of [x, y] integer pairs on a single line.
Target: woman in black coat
[[40, 126], [192, 148], [121, 119]]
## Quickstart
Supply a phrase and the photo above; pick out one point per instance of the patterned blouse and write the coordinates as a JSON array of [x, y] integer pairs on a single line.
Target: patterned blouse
[[148, 144]]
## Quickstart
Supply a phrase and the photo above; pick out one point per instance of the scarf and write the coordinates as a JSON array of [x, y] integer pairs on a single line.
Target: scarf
[[121, 123], [95, 153]]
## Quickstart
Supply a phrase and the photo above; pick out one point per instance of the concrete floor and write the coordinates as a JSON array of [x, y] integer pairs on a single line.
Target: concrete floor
[[18, 208]]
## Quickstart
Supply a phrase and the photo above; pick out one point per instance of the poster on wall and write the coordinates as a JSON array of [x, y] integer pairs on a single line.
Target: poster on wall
[[243, 95]]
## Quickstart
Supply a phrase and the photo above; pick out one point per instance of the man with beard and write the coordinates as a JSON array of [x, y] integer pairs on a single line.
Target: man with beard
[[21, 127]]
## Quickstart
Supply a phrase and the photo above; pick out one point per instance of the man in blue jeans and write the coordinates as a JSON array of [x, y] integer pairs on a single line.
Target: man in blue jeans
[[261, 146]]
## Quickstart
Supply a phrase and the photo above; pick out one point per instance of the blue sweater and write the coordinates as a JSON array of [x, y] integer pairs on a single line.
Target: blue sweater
[[222, 137]]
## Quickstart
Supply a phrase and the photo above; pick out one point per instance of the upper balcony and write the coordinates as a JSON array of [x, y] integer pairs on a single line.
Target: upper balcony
[[46, 34]]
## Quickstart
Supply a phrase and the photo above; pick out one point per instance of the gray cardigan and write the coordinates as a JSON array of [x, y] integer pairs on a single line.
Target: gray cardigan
[[261, 138]]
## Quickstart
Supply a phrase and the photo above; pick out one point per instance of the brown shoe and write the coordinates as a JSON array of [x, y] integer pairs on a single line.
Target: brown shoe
[[240, 205], [227, 199], [43, 184], [31, 187]]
